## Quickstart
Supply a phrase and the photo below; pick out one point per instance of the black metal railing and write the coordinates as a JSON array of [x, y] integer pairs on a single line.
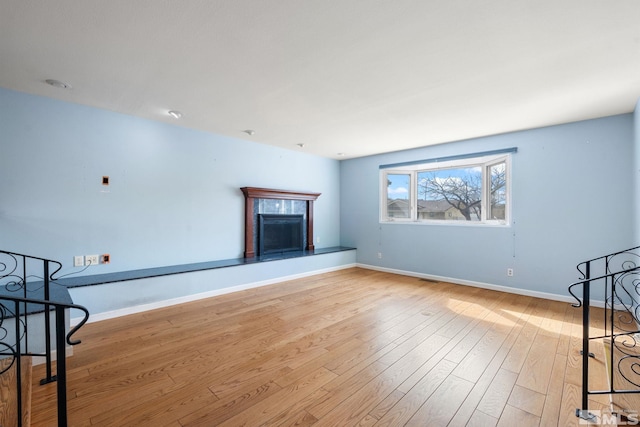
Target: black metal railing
[[30, 302], [614, 279]]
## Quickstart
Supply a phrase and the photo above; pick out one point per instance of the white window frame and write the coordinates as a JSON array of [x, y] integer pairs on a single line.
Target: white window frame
[[485, 162]]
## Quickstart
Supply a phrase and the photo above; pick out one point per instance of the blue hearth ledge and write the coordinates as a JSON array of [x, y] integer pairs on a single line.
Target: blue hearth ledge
[[122, 276]]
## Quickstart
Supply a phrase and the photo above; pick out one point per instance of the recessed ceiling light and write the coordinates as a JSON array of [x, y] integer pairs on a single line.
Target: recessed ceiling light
[[340, 154], [249, 132], [175, 114], [58, 84]]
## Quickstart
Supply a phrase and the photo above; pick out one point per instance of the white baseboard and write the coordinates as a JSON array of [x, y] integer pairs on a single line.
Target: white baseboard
[[507, 289], [194, 297], [41, 360]]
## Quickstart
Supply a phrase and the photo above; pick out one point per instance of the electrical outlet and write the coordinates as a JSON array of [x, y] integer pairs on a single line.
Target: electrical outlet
[[91, 259], [318, 239], [379, 255], [510, 272], [105, 259], [78, 261]]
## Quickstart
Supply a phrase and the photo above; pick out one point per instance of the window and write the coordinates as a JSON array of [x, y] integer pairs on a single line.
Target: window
[[398, 189], [464, 191]]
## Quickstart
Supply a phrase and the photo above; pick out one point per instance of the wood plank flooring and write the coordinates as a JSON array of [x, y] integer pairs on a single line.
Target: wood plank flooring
[[9, 412], [349, 348]]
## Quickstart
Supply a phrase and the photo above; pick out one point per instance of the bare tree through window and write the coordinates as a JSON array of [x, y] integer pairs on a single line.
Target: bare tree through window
[[461, 189]]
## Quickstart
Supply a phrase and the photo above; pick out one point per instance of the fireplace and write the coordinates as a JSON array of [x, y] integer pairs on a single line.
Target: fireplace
[[265, 201], [280, 233]]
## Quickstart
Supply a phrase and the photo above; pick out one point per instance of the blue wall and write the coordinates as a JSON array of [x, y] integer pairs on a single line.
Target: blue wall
[[174, 196], [572, 200]]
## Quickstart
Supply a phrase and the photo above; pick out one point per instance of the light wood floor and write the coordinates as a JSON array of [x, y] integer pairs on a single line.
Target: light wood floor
[[352, 347]]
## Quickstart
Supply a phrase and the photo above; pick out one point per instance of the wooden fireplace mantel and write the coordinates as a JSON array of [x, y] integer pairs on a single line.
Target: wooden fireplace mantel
[[252, 193]]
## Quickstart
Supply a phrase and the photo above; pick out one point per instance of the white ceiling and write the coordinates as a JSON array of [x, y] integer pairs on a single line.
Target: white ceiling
[[357, 77]]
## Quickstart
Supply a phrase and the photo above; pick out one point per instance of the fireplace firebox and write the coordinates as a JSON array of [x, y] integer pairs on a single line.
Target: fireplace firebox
[[280, 233]]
